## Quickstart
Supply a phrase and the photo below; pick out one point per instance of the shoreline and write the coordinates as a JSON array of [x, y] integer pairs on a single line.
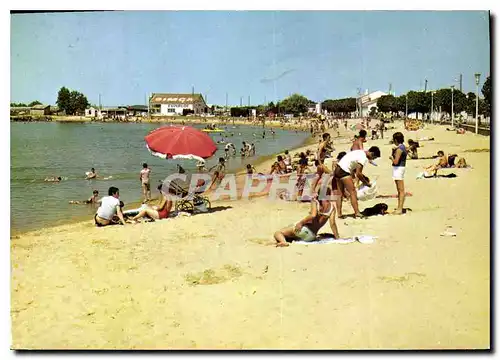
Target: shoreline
[[261, 163], [175, 120]]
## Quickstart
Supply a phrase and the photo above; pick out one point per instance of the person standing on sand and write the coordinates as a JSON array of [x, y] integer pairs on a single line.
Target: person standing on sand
[[359, 140], [144, 177], [398, 159], [353, 161], [110, 206], [323, 148]]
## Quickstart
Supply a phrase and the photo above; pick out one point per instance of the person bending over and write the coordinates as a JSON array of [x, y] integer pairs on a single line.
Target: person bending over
[[307, 228], [353, 161]]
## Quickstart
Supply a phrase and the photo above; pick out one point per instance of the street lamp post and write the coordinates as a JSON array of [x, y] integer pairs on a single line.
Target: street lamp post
[[477, 76], [432, 107], [452, 115], [406, 97]]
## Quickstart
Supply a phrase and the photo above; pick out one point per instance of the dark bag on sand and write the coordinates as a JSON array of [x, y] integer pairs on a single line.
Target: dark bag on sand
[[377, 209]]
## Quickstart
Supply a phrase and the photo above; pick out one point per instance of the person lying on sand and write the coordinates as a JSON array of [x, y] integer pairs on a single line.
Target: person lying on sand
[[307, 228], [110, 206], [92, 200]]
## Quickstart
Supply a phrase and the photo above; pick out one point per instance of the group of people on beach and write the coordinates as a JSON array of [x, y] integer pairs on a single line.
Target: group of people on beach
[[345, 178]]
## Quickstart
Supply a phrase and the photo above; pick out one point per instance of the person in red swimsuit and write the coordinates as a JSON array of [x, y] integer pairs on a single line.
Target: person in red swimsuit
[[160, 211]]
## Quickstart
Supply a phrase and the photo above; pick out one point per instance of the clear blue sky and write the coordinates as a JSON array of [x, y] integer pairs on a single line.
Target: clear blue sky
[[264, 55]]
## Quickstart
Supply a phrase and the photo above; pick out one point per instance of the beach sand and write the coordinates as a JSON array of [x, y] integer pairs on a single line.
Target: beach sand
[[216, 281]]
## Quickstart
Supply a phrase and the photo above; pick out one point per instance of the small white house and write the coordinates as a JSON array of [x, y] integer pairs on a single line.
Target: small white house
[[175, 104], [368, 101]]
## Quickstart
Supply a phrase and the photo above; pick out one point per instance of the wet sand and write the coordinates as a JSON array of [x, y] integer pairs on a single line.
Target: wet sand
[[216, 281]]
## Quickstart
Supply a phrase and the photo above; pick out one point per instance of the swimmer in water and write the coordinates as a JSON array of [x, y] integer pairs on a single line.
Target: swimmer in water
[[91, 175], [53, 179], [94, 199]]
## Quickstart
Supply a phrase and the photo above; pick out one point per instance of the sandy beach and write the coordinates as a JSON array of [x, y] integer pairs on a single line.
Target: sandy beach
[[216, 280]]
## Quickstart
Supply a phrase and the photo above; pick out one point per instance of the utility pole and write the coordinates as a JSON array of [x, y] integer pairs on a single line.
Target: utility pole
[[192, 90], [460, 82], [248, 100], [425, 90], [241, 101], [432, 107], [477, 76], [452, 114], [226, 101], [406, 96]]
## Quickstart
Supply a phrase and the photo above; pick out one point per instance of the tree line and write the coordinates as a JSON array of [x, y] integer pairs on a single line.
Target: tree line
[[71, 102], [421, 101]]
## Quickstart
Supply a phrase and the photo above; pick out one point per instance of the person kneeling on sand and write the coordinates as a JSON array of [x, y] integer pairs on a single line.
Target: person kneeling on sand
[[110, 206], [353, 161], [307, 228]]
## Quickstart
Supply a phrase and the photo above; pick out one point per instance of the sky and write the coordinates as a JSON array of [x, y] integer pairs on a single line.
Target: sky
[[264, 55]]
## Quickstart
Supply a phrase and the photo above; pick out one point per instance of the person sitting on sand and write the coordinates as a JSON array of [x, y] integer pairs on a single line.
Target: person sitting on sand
[[442, 163], [91, 175], [413, 149], [307, 228], [110, 206], [94, 199], [156, 212], [53, 179], [357, 144], [353, 161]]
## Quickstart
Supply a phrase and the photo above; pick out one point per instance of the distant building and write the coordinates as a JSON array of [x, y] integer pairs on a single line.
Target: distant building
[[177, 104], [20, 110], [137, 110], [368, 101], [92, 112], [40, 110]]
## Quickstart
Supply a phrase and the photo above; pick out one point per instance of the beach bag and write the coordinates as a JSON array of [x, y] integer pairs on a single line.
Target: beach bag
[[367, 193]]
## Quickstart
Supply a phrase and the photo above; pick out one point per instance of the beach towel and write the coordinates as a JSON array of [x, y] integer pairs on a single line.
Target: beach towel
[[363, 239]]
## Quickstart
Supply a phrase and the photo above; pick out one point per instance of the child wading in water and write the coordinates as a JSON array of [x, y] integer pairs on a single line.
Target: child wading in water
[[398, 159]]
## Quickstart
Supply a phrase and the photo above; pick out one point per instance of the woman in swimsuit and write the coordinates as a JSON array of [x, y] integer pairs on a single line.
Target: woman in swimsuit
[[156, 212], [307, 228]]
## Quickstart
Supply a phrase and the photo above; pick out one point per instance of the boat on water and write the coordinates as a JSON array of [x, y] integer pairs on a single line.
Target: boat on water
[[213, 130]]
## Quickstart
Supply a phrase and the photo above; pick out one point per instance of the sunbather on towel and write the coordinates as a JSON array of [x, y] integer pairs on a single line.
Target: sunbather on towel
[[442, 163], [307, 228]]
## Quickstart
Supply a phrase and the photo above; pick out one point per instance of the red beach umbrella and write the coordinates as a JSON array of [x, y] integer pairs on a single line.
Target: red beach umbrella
[[180, 142]]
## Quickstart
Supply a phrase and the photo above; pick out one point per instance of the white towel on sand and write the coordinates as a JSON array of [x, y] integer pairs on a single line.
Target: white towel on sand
[[363, 239]]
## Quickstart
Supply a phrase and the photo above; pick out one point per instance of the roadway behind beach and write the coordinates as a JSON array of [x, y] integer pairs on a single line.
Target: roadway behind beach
[[216, 281]]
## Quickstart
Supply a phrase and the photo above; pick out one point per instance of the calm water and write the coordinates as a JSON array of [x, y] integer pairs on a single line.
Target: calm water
[[69, 150]]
